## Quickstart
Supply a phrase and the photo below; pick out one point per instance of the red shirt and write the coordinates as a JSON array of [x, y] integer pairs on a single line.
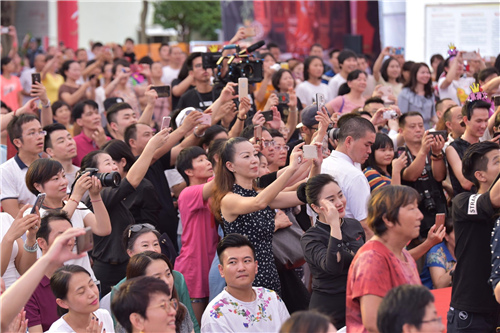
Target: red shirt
[[84, 145], [41, 308], [374, 271], [10, 91]]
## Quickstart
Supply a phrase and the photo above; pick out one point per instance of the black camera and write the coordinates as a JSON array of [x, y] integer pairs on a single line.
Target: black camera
[[429, 203], [108, 179]]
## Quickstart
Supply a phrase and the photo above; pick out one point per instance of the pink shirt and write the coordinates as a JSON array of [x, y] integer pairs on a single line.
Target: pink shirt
[[84, 145], [10, 91], [336, 105], [199, 240], [374, 271]]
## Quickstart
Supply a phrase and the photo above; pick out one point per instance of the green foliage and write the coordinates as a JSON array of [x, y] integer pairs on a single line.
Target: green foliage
[[189, 16]]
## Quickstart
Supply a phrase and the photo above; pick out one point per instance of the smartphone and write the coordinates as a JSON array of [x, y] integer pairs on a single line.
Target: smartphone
[[36, 77], [320, 101], [469, 55], [38, 203], [257, 133], [496, 100], [443, 134], [390, 114], [242, 88], [310, 151], [401, 150], [250, 32], [5, 30], [440, 218], [162, 91], [496, 134], [165, 123], [268, 115], [386, 92], [85, 242], [206, 119], [283, 98]]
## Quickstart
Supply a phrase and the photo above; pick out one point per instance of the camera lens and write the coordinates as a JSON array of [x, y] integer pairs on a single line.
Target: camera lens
[[334, 133], [109, 179]]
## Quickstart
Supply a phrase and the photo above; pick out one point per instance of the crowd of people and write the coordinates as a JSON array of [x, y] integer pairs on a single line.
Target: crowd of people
[[334, 196]]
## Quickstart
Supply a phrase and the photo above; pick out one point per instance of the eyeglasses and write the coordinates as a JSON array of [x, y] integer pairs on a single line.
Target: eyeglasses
[[266, 144], [198, 66], [284, 130], [285, 147], [435, 320], [36, 134], [165, 305], [139, 227]]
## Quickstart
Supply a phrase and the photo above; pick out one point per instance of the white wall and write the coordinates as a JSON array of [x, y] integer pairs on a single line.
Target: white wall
[[415, 25], [392, 23]]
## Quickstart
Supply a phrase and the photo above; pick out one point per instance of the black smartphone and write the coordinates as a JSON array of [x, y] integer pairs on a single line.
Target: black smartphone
[[85, 242], [496, 100], [36, 77], [38, 203], [443, 134], [401, 150], [496, 134], [162, 91], [268, 115], [91, 77]]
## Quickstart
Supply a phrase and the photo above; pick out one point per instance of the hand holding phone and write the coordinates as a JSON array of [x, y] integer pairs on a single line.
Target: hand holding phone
[[268, 115], [35, 77], [38, 203], [165, 123], [242, 88], [257, 133], [162, 91], [440, 219], [206, 119], [320, 101], [443, 134], [85, 242]]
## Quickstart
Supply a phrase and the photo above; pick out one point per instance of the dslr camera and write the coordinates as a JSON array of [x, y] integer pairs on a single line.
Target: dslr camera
[[108, 179]]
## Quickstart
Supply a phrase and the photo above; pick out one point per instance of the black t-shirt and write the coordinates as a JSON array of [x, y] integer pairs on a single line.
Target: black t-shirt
[[473, 219], [460, 146], [144, 203], [130, 56], [195, 99], [175, 99], [167, 220]]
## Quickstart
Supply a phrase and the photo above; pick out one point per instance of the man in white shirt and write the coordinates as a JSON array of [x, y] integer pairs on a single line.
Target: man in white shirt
[[356, 137], [171, 71], [241, 307]]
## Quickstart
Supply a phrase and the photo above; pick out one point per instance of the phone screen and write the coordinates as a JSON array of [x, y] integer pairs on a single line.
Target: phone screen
[[38, 203], [165, 123], [35, 77], [268, 115], [162, 91]]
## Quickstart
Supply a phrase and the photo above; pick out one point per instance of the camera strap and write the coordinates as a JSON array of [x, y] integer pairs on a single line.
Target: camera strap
[[427, 171], [203, 104]]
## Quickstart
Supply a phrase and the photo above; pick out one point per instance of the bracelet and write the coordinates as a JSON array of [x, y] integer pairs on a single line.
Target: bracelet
[[31, 249], [96, 200], [242, 119], [71, 199], [437, 155], [200, 135], [46, 106]]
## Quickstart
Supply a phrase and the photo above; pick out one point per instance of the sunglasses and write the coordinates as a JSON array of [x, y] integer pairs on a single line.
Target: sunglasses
[[139, 227]]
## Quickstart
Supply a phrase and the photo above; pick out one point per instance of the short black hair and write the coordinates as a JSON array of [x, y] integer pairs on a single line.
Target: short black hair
[[50, 216], [4, 61], [438, 103], [315, 45], [332, 52], [346, 54], [402, 305], [58, 104], [271, 45], [402, 119], [355, 128], [233, 240], [130, 133], [190, 59], [133, 296], [185, 160], [118, 62], [475, 159], [112, 112], [247, 132], [374, 100], [51, 128], [65, 67], [211, 133], [40, 172], [128, 39], [77, 111], [470, 106], [146, 60], [96, 44], [15, 126]]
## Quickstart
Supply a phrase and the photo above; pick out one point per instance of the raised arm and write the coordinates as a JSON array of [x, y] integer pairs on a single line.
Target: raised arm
[[71, 99], [455, 163], [378, 63], [452, 72], [147, 114], [240, 118], [38, 90]]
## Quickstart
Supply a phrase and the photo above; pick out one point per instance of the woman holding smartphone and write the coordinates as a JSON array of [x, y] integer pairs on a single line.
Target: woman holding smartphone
[[77, 299], [329, 246], [388, 72], [245, 211]]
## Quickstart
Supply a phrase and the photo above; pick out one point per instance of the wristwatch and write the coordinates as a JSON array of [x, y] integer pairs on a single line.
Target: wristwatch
[[48, 104], [31, 249]]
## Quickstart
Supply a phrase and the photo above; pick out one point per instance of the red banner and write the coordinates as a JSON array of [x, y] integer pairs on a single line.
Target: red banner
[[67, 23]]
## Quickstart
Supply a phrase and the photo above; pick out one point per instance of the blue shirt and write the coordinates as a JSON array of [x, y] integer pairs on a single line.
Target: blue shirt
[[438, 256]]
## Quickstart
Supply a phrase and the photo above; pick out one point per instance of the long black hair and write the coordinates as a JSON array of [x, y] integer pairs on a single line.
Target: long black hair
[[381, 141]]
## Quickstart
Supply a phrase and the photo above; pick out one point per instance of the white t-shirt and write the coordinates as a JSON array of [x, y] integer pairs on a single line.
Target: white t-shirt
[[61, 326], [11, 274], [307, 91], [169, 74], [228, 314], [13, 184], [351, 180], [334, 85], [458, 90]]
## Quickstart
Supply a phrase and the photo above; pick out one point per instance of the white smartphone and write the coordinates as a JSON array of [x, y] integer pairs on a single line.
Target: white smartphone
[[320, 101], [206, 119], [242, 87], [165, 122], [310, 151]]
